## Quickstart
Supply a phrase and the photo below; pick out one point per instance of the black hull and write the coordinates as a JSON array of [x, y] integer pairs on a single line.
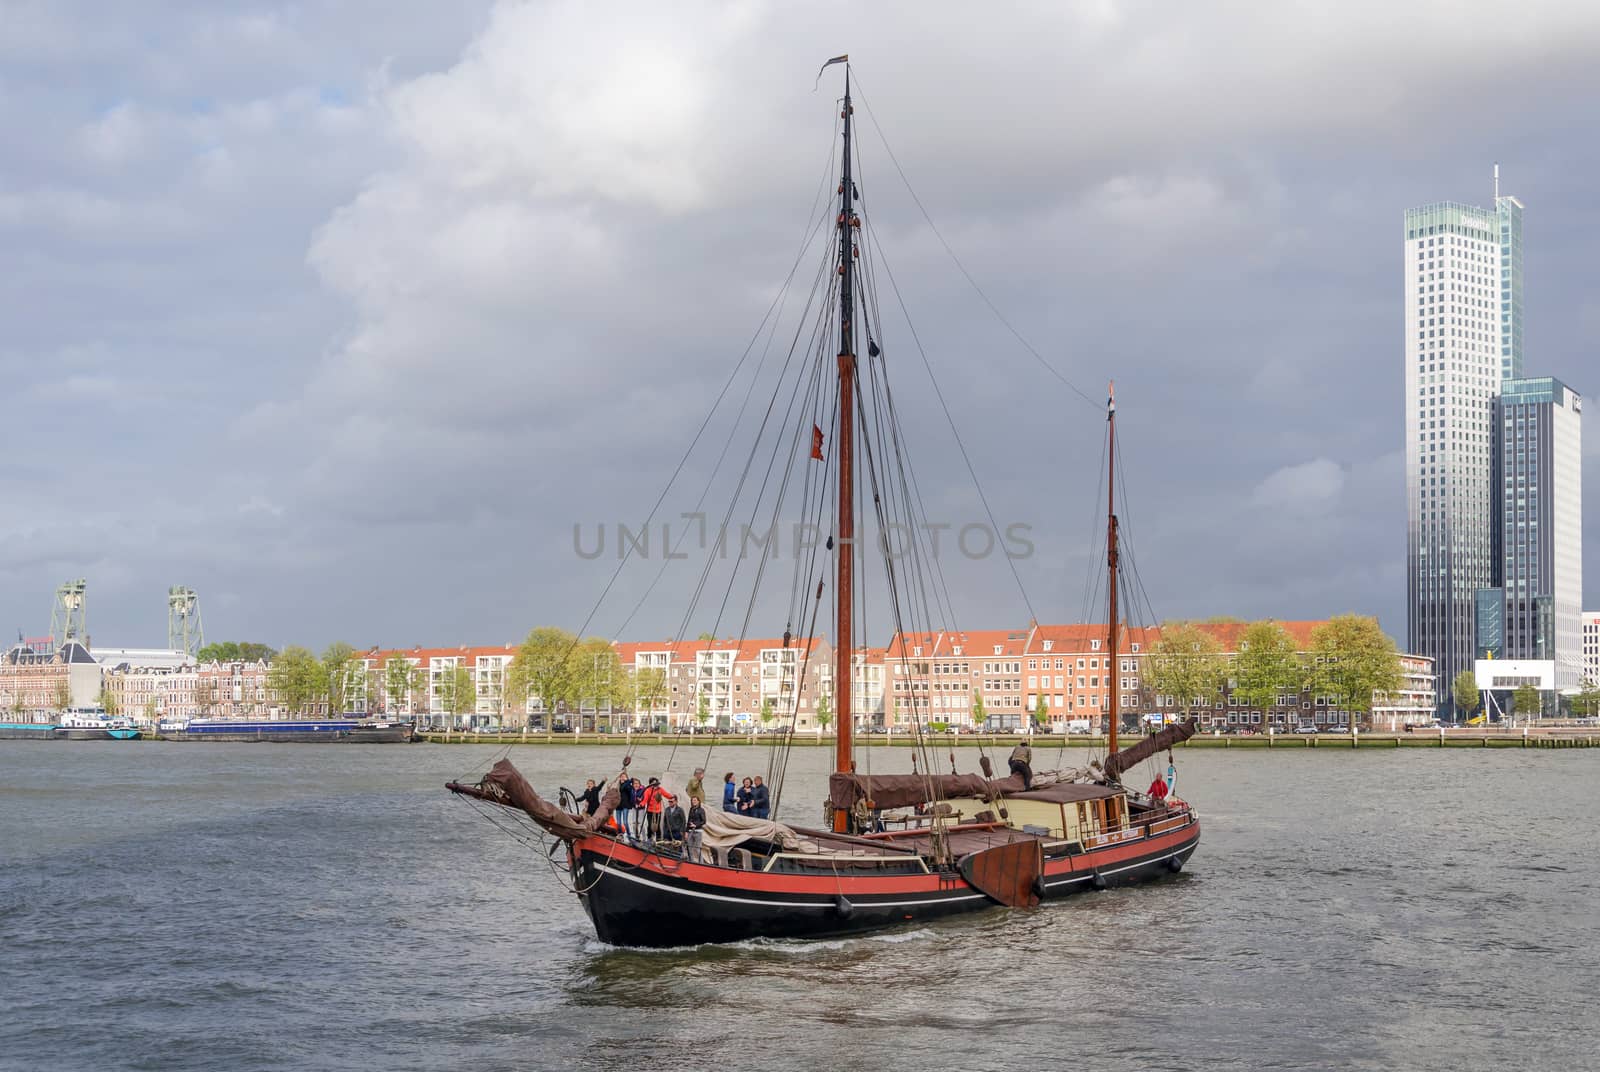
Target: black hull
[[635, 906], [28, 733]]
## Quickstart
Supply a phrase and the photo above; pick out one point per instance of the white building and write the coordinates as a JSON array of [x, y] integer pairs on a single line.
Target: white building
[[1416, 701], [1499, 678], [1463, 323]]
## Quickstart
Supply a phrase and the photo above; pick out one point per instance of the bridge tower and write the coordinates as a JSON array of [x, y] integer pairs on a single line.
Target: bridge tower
[[69, 619], [184, 632]]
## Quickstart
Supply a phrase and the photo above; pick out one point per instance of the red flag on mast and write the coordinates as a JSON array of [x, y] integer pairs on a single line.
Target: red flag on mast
[[816, 442]]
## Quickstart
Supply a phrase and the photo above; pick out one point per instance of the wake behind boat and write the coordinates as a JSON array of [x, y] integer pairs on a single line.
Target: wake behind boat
[[898, 848]]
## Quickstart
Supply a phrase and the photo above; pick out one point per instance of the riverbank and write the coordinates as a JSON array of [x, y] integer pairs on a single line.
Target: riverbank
[[1554, 738]]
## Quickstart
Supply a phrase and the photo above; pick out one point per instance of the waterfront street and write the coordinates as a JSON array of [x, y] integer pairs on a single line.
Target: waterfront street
[[293, 907]]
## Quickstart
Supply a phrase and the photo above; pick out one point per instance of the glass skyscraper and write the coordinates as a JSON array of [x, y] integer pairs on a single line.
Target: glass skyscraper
[[1493, 488], [1463, 322], [1541, 531]]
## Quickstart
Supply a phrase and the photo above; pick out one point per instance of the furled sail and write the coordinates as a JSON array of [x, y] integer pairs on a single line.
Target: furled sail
[[505, 785], [1156, 742]]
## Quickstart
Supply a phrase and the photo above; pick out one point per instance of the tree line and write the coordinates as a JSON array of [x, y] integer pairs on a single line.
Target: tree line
[[557, 667], [1350, 659]]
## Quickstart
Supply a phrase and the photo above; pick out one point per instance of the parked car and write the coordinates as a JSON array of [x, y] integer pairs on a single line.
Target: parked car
[[1305, 729]]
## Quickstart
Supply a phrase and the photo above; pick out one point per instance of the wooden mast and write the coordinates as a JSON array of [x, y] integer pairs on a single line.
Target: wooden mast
[[1111, 563], [843, 668]]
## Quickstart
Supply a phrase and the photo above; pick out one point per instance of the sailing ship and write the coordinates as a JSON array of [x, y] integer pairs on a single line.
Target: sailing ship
[[965, 842]]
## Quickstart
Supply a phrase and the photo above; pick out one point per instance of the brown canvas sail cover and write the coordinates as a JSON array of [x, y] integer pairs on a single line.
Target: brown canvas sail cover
[[1156, 742], [908, 790], [505, 785]]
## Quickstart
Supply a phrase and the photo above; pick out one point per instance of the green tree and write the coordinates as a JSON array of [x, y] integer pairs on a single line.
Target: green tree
[[342, 673], [1041, 713], [1526, 700], [1352, 659], [1266, 666], [824, 713], [1465, 690], [233, 651], [649, 688], [979, 715], [767, 714], [702, 710], [457, 693], [1187, 664], [543, 669], [108, 702], [1587, 702], [295, 677], [400, 679], [62, 694], [595, 675]]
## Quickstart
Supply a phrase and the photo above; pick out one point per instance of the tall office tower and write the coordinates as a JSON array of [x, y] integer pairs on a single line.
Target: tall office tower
[[1591, 648], [1509, 212], [1541, 529], [1463, 321]]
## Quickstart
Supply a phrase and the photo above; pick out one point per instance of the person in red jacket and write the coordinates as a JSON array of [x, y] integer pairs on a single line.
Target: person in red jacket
[[655, 799], [1158, 790]]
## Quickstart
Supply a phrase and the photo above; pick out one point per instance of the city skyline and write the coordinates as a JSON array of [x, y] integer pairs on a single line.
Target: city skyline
[[329, 331]]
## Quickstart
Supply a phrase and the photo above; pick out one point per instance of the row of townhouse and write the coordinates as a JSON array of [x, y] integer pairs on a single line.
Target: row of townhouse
[[724, 684], [428, 695], [968, 679], [177, 693], [753, 683], [965, 679], [999, 678]]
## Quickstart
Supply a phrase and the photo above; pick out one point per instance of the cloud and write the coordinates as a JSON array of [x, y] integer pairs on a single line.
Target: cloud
[[1312, 487], [326, 293]]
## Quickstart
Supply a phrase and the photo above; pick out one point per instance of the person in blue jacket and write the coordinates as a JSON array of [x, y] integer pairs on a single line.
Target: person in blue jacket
[[730, 793], [759, 799]]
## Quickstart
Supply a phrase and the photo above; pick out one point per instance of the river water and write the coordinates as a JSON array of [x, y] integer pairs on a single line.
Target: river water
[[193, 906]]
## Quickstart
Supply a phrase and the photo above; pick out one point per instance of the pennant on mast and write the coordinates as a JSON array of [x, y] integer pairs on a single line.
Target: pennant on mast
[[837, 59]]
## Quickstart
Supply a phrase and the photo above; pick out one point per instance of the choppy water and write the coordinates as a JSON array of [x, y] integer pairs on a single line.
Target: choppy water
[[195, 906]]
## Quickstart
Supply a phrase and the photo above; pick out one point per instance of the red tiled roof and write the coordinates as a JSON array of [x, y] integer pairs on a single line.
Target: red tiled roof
[[425, 656]]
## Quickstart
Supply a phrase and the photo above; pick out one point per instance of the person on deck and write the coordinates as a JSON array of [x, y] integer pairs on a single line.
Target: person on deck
[[730, 793], [590, 797], [654, 802], [1021, 763], [1158, 790], [694, 827], [760, 799], [696, 786], [627, 785], [673, 821], [745, 793]]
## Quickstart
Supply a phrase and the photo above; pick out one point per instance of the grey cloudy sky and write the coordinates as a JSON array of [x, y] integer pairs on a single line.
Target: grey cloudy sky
[[345, 314]]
